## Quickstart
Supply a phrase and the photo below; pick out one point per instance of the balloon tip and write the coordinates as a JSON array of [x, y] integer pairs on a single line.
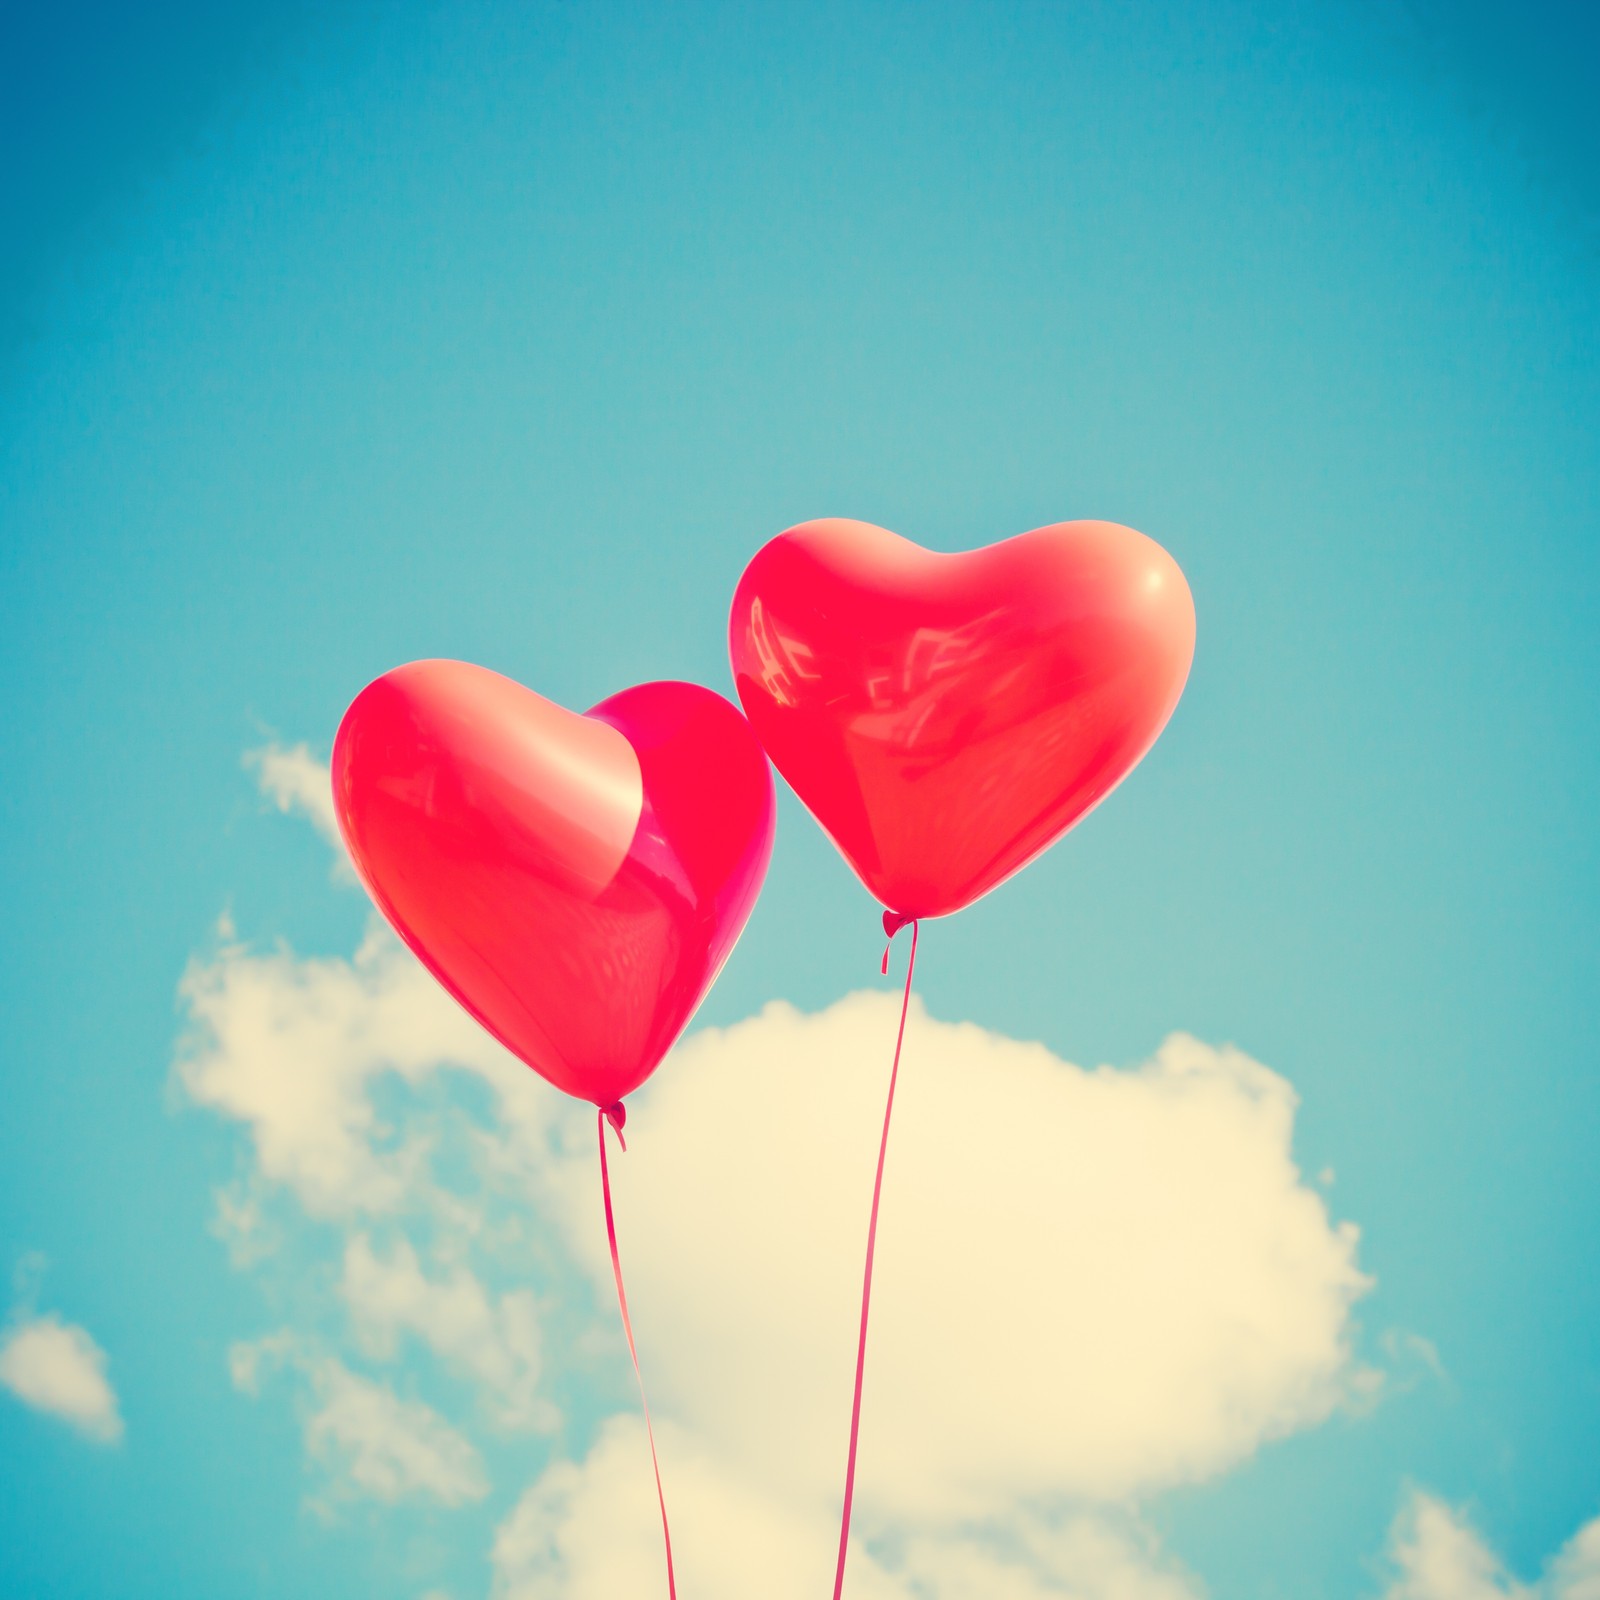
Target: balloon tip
[[617, 1115]]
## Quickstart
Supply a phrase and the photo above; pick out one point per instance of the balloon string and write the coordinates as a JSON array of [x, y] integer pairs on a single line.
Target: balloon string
[[615, 1115], [892, 923]]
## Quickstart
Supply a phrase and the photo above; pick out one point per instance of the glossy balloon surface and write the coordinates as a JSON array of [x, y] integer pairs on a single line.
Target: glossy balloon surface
[[576, 882], [947, 717]]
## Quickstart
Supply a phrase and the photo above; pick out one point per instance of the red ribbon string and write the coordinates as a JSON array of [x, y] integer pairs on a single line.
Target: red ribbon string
[[616, 1116], [892, 923]]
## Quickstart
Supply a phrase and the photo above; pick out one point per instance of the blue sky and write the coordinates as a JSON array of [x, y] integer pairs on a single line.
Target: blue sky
[[509, 333]]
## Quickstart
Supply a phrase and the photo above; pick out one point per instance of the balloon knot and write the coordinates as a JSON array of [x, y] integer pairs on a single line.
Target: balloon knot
[[893, 922], [617, 1115]]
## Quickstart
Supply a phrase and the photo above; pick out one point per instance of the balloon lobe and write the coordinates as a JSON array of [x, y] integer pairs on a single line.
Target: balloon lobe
[[946, 717], [576, 882]]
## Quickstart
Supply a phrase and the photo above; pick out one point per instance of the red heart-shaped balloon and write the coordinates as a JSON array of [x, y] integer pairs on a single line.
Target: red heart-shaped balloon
[[576, 882], [947, 717]]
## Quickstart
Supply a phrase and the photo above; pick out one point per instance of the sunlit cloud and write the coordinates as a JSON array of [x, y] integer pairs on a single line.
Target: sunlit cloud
[[1094, 1283], [1091, 1283]]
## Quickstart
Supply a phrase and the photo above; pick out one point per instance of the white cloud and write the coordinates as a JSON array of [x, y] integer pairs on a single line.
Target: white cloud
[[1437, 1554], [368, 1439], [295, 781], [57, 1368], [251, 1360], [389, 1447], [308, 1055], [1090, 1283], [1078, 1557], [591, 1531], [1575, 1573], [294, 1048], [241, 1223], [493, 1342]]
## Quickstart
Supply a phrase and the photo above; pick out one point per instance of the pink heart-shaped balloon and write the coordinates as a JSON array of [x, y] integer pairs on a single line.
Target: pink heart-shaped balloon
[[947, 717], [576, 882]]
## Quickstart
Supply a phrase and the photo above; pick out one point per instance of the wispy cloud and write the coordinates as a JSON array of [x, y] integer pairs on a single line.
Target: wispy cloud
[[1437, 1554], [294, 780], [296, 1050], [492, 1341], [367, 1439], [389, 1447]]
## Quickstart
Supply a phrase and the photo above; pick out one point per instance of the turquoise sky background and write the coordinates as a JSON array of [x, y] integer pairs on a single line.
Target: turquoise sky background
[[509, 333]]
